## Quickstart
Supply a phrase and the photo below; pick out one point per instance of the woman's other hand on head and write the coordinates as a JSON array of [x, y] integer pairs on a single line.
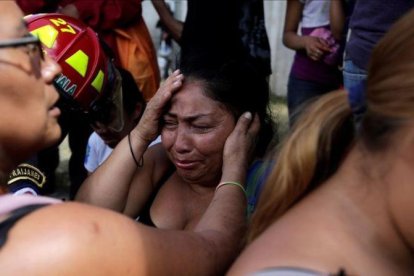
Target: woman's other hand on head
[[150, 121], [241, 143], [316, 47]]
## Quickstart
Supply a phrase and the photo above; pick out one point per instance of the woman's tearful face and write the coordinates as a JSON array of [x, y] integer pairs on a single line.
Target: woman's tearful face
[[194, 132]]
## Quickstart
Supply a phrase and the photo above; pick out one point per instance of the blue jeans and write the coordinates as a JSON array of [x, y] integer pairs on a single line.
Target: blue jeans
[[352, 74], [301, 91]]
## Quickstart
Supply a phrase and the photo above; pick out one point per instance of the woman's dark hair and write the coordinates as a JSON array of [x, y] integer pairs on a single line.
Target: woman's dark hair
[[131, 95], [237, 85]]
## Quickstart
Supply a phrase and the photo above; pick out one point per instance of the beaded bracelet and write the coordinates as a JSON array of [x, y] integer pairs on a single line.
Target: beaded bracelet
[[141, 160], [234, 184]]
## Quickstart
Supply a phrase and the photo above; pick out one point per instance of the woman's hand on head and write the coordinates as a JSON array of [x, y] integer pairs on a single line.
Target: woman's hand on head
[[240, 145], [316, 47], [148, 127]]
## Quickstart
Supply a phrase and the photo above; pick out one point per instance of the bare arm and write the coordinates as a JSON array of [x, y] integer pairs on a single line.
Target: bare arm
[[102, 241], [223, 224], [214, 243], [337, 18], [291, 38], [175, 27], [314, 46], [110, 184]]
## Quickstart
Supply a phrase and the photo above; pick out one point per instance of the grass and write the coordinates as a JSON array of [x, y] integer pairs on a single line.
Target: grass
[[278, 107]]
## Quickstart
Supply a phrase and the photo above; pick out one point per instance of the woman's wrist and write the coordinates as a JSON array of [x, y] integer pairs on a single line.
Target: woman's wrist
[[137, 146], [141, 136], [235, 175], [234, 184], [234, 171], [304, 41], [139, 163]]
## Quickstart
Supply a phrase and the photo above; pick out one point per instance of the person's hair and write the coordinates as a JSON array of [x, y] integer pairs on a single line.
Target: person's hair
[[131, 95], [237, 85], [325, 132]]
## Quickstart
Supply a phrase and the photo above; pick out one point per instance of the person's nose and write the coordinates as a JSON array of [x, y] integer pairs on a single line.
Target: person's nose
[[182, 142], [50, 69]]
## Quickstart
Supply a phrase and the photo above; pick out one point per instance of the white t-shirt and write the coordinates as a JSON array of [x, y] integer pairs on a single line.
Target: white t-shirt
[[97, 151], [315, 13]]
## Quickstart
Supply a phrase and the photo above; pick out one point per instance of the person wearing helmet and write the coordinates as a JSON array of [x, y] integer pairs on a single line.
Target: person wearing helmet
[[88, 78], [104, 139], [90, 91], [121, 25], [40, 236]]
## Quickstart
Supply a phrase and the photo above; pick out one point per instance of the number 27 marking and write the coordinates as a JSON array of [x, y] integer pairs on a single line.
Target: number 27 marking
[[67, 29]]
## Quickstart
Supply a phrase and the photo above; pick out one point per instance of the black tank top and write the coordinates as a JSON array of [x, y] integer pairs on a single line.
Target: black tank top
[[145, 215], [13, 218]]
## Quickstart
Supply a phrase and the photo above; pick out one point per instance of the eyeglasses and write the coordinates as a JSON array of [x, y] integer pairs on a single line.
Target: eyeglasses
[[31, 42]]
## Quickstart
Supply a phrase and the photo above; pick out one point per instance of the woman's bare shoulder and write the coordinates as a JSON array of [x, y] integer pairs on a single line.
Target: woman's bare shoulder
[[77, 239], [156, 152], [69, 238], [160, 163]]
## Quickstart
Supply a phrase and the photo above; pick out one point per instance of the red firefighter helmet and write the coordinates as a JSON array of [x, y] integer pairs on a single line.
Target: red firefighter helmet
[[88, 75]]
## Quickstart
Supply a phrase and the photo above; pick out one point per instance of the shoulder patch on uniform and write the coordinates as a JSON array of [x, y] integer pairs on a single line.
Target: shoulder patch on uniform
[[27, 172]]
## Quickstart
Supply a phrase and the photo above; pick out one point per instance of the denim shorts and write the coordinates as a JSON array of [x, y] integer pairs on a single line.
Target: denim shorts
[[352, 74]]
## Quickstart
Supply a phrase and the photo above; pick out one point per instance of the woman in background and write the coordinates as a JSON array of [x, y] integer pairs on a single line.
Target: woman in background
[[339, 199], [314, 70]]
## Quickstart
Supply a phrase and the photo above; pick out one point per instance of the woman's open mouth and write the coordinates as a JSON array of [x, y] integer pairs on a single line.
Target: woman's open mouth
[[185, 164]]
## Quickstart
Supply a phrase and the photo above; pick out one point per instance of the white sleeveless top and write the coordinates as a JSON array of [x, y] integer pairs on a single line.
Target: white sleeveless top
[[315, 13]]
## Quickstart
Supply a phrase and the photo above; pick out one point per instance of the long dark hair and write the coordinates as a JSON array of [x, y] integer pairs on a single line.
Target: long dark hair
[[237, 85]]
